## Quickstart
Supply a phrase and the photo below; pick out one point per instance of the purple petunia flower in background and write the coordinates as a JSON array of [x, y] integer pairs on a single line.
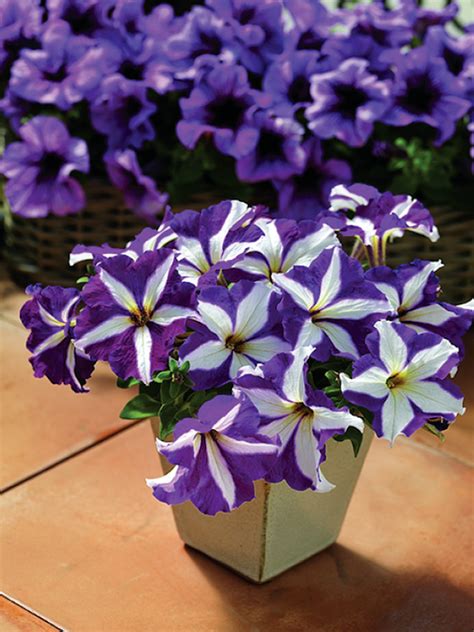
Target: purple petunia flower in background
[[311, 24], [122, 112], [63, 72], [148, 239], [217, 457], [236, 328], [403, 380], [302, 196], [457, 52], [412, 290], [134, 310], [213, 239], [20, 24], [329, 306], [85, 17], [257, 29], [39, 169], [425, 92], [277, 153], [284, 244], [288, 81], [50, 315], [302, 418], [139, 191], [347, 102], [376, 217], [218, 106]]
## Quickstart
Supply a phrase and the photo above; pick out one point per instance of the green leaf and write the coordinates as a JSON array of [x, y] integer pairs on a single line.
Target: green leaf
[[433, 430], [162, 376], [173, 365], [354, 436], [83, 279], [185, 367], [168, 420], [140, 407], [127, 383]]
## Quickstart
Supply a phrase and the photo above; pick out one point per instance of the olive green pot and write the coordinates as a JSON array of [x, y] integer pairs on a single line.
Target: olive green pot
[[280, 527]]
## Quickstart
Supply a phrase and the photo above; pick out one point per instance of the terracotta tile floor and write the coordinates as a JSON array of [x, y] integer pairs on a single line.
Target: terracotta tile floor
[[86, 548]]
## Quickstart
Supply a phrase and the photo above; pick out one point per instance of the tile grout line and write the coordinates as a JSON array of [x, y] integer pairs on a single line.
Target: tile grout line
[[438, 452], [36, 614], [62, 460]]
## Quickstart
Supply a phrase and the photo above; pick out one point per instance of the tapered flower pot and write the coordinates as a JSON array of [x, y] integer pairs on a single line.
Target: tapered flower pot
[[280, 527]]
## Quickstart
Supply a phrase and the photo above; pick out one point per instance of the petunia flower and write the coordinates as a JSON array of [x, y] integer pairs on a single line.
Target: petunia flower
[[216, 457], [39, 169], [237, 327], [277, 153], [213, 239], [304, 195], [122, 112], [302, 418], [329, 306], [139, 191], [457, 52], [50, 315], [20, 24], [402, 380], [257, 28], [147, 240], [284, 244], [374, 218], [85, 17], [218, 106], [412, 291], [425, 91], [288, 81], [63, 72], [311, 25], [134, 310], [347, 102]]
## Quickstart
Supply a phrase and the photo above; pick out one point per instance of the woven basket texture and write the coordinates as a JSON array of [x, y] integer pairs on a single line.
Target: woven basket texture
[[455, 248], [37, 250]]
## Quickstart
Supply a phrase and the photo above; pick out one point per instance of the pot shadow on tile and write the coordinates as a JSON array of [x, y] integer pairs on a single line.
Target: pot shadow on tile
[[341, 591]]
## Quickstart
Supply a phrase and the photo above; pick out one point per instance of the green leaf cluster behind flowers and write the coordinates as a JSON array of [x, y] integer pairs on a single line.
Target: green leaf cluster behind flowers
[[170, 396]]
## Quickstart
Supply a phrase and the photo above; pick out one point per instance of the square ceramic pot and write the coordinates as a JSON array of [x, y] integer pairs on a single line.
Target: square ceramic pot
[[280, 527]]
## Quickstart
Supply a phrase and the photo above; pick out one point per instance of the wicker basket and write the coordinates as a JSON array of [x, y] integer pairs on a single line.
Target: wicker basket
[[455, 248], [37, 250]]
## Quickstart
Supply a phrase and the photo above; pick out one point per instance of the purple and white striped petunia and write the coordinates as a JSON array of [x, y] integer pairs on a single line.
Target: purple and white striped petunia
[[217, 457], [213, 239], [329, 306], [412, 291], [284, 244], [302, 418], [376, 217], [147, 240], [402, 380], [51, 316], [238, 327], [134, 311]]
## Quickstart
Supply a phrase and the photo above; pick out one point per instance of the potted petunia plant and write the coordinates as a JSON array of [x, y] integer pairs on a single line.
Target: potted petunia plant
[[267, 358]]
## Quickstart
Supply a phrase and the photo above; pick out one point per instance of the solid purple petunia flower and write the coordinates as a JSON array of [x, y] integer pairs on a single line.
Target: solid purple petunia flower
[[277, 153], [139, 191], [257, 28], [62, 72], [235, 328], [347, 102], [39, 169], [134, 310], [302, 196], [425, 91], [288, 81], [329, 306], [404, 380], [20, 24], [50, 315], [457, 52], [122, 112], [216, 457], [299, 416], [219, 106]]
